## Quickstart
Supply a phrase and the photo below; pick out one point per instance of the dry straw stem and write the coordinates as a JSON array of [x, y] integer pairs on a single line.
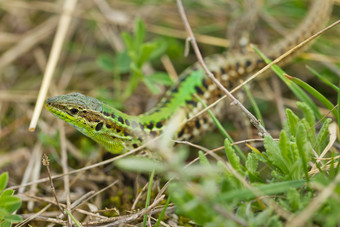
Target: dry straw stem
[[252, 118], [30, 218], [85, 198], [46, 163], [58, 41], [332, 138], [74, 205]]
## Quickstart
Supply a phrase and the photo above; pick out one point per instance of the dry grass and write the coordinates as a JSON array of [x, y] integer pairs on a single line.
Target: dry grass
[[47, 38]]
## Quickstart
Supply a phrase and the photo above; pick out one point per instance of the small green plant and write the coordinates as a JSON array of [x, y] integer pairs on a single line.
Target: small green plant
[[8, 203], [133, 59], [234, 193]]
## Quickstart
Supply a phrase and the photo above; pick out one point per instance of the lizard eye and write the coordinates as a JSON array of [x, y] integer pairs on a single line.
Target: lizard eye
[[74, 110]]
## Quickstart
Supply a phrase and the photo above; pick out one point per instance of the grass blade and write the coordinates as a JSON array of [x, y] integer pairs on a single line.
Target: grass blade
[[254, 104], [147, 203], [299, 93], [314, 93], [322, 78], [163, 212]]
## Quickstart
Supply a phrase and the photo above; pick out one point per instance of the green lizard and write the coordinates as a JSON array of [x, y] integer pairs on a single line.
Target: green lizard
[[119, 132]]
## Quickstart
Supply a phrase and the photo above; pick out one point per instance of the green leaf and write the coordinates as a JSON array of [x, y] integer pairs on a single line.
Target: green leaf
[[308, 113], [292, 120], [6, 224], [232, 157], [262, 218], [139, 33], [268, 189], [8, 192], [127, 38], [10, 203], [3, 213], [123, 61], [304, 147], [321, 139], [106, 62], [3, 181], [157, 78], [284, 147], [13, 218], [161, 47], [338, 103], [252, 164], [145, 52], [293, 198], [161, 78], [136, 70], [151, 85], [274, 154], [309, 131], [140, 164], [203, 159]]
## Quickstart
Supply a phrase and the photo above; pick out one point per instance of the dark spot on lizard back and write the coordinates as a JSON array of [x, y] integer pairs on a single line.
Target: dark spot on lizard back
[[126, 133], [127, 122], [121, 120], [183, 78], [248, 63], [150, 126], [222, 71], [181, 133], [197, 123], [198, 90], [191, 102], [99, 126], [237, 66], [174, 90], [159, 124], [204, 83]]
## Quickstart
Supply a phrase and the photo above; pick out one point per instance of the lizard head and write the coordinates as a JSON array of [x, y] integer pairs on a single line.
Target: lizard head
[[89, 116]]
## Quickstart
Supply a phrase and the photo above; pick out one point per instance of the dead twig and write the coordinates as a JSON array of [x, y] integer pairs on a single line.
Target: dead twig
[[46, 162], [191, 38]]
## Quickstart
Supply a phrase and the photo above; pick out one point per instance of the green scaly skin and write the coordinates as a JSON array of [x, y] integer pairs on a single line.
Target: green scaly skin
[[119, 132]]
